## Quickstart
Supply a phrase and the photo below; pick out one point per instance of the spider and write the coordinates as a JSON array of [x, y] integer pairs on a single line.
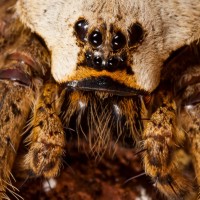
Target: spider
[[122, 71]]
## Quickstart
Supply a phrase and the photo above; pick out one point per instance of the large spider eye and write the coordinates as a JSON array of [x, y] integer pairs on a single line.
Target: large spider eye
[[136, 34], [81, 28], [95, 38], [118, 41]]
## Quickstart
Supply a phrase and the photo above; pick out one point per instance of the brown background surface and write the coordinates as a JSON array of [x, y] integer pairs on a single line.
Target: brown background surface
[[85, 178]]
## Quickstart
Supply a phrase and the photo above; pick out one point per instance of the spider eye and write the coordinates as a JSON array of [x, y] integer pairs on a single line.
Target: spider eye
[[97, 61], [118, 41], [136, 34], [95, 38], [81, 27], [113, 62]]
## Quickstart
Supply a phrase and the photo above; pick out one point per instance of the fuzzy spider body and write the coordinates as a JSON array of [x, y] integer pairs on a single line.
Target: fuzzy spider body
[[111, 69]]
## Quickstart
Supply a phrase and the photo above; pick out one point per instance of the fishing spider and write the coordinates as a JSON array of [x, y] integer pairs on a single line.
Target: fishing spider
[[110, 70]]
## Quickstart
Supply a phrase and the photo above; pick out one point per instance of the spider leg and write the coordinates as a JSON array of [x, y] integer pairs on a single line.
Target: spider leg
[[190, 116], [20, 80], [164, 159], [47, 140], [14, 112]]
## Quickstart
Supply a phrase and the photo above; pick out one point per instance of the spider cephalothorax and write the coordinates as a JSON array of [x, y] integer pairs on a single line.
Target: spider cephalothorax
[[157, 18]]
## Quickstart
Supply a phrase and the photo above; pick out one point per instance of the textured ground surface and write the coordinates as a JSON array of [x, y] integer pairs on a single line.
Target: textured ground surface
[[87, 179]]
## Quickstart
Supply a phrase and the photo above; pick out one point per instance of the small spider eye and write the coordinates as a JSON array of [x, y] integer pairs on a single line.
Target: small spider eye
[[118, 41], [136, 34], [95, 38], [88, 56], [113, 62], [81, 27], [97, 61]]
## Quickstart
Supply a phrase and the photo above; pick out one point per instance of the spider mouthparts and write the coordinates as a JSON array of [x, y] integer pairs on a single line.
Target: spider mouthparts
[[104, 84]]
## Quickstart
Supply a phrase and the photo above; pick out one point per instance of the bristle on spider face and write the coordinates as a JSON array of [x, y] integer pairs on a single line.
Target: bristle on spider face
[[102, 117]]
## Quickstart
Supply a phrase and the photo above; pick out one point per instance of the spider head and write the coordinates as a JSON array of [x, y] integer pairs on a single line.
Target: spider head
[[130, 39], [105, 57]]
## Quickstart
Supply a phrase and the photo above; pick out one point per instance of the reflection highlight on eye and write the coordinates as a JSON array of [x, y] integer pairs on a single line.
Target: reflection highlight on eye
[[118, 41], [95, 38], [136, 34], [81, 28]]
